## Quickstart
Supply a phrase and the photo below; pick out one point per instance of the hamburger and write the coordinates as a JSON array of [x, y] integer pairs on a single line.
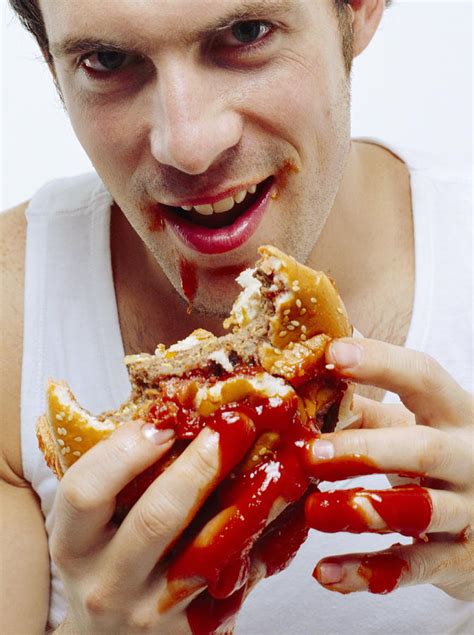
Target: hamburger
[[267, 391]]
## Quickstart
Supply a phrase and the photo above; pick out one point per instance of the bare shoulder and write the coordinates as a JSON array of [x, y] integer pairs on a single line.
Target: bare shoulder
[[12, 261]]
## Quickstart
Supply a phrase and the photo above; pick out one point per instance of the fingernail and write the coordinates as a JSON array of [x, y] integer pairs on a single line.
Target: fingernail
[[328, 573], [323, 450], [345, 354], [157, 435]]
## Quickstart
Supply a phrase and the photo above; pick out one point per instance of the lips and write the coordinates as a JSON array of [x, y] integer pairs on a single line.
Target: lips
[[220, 232]]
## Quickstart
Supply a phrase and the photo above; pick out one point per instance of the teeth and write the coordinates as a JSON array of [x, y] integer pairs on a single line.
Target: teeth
[[239, 197], [204, 209], [223, 205]]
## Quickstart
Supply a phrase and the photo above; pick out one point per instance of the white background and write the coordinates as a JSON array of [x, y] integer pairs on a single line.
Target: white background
[[411, 87]]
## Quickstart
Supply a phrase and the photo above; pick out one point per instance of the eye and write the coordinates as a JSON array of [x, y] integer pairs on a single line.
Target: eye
[[248, 32], [107, 61]]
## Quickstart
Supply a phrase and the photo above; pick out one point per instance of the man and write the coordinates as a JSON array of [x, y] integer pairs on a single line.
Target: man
[[217, 127]]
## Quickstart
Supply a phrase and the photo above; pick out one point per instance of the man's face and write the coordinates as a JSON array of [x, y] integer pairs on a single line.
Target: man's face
[[193, 103]]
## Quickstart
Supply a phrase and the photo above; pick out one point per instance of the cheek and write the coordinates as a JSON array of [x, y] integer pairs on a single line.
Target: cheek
[[111, 132]]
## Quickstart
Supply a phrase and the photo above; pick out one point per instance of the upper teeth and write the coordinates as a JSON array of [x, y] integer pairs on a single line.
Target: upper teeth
[[224, 205]]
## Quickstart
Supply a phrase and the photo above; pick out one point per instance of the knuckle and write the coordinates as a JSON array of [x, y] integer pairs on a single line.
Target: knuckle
[[352, 442], [419, 570], [432, 450], [76, 495], [429, 373], [141, 622], [96, 602], [157, 520], [204, 464]]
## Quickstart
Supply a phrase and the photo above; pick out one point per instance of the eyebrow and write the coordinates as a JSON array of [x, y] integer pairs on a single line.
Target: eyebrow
[[247, 10]]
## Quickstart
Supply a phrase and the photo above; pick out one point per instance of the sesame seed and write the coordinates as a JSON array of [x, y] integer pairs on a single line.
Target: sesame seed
[[313, 300], [63, 451], [262, 451], [303, 328], [282, 333], [61, 442], [286, 312], [77, 439], [339, 310], [59, 417], [291, 327], [69, 417], [303, 311], [302, 337], [298, 303], [255, 457], [67, 449], [76, 453], [295, 322], [330, 366]]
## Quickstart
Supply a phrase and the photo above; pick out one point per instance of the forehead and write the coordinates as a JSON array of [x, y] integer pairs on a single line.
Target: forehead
[[156, 19]]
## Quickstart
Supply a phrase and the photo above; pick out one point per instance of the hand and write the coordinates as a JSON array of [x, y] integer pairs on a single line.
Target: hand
[[110, 574], [429, 436]]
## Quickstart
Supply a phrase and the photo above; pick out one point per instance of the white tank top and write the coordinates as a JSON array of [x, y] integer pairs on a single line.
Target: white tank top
[[72, 332]]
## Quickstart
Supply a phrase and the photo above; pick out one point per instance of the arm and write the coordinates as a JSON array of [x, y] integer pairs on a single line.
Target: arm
[[25, 562], [25, 576]]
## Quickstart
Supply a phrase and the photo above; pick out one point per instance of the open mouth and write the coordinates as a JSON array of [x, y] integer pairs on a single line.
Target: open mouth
[[224, 212], [222, 225]]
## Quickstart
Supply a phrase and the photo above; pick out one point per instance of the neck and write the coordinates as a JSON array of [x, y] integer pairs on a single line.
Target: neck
[[369, 216]]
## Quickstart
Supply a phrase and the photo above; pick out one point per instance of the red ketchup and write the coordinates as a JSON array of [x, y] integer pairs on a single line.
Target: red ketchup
[[382, 571], [255, 517], [405, 509], [189, 280]]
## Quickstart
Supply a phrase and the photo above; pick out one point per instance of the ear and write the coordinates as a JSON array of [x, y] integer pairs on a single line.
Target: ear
[[366, 16]]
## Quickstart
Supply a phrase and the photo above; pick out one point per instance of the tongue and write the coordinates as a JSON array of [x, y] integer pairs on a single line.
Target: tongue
[[215, 221]]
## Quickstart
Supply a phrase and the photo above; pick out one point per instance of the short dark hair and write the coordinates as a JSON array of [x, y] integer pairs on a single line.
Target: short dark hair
[[29, 13]]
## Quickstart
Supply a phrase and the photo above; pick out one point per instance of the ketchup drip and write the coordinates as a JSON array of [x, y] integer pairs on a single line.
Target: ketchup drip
[[405, 509], [382, 571], [342, 467], [346, 466], [157, 222], [220, 551], [221, 544], [206, 614], [189, 281]]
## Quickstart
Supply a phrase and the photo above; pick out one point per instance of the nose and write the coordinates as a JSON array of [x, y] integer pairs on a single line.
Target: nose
[[194, 123]]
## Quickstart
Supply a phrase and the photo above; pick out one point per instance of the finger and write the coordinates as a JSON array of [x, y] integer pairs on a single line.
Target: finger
[[408, 509], [172, 500], [85, 501], [374, 414], [252, 503], [447, 565], [423, 385], [407, 451]]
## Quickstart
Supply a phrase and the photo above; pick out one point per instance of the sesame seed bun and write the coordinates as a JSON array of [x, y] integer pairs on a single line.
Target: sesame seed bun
[[281, 324]]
